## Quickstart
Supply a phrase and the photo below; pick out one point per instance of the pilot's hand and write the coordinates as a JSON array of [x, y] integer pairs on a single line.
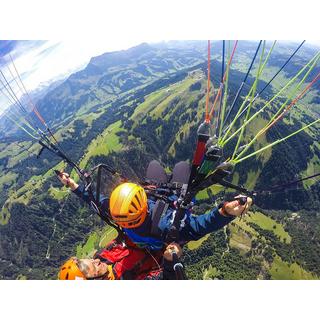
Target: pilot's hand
[[67, 181], [238, 207], [172, 248]]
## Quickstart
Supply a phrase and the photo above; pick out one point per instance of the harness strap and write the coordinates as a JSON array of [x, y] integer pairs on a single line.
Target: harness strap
[[159, 209]]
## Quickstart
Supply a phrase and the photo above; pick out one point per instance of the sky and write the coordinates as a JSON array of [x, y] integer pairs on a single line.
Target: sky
[[79, 30], [39, 62]]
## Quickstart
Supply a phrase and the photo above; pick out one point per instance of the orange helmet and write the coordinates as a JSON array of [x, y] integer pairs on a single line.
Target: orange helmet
[[71, 271], [128, 205]]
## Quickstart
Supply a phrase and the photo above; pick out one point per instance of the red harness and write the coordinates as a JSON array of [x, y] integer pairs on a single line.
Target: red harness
[[130, 262]]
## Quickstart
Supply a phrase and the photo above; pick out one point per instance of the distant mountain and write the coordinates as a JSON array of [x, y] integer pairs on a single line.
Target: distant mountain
[[111, 74], [44, 88]]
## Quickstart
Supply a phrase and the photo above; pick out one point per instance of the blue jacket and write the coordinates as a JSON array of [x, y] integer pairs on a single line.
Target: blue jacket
[[192, 227]]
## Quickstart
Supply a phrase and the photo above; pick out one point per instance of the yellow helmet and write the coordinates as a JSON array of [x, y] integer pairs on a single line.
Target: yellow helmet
[[128, 205], [71, 271]]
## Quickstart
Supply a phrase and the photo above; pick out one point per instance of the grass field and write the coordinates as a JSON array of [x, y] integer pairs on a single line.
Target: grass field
[[4, 215], [251, 130], [252, 178], [96, 240], [18, 152], [13, 149], [150, 103], [88, 119], [239, 239], [7, 179], [23, 154], [267, 223], [245, 227], [192, 245], [106, 142], [313, 167], [210, 273], [280, 270], [58, 194], [25, 193], [89, 248]]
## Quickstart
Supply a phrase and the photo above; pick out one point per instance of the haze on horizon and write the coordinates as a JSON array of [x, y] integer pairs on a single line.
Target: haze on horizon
[[42, 62]]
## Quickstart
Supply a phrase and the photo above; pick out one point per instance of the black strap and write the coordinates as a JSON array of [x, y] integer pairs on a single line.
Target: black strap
[[241, 189], [283, 186], [221, 171], [159, 208]]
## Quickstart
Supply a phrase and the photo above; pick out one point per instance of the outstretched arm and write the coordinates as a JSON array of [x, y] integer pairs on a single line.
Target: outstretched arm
[[84, 195], [195, 227], [76, 188]]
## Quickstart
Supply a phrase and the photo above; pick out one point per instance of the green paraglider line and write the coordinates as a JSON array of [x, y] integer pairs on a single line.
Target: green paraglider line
[[235, 161], [251, 93], [265, 87], [15, 99], [21, 127], [282, 107], [34, 108], [255, 84], [232, 162], [44, 139], [242, 84], [283, 66], [279, 116], [208, 85], [312, 61], [11, 93], [23, 120]]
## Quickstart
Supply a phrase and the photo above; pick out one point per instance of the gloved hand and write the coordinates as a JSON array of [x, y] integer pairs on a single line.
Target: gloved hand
[[66, 180], [238, 207]]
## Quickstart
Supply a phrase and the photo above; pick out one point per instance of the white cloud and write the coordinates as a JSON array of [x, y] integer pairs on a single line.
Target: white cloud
[[61, 58], [42, 61]]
